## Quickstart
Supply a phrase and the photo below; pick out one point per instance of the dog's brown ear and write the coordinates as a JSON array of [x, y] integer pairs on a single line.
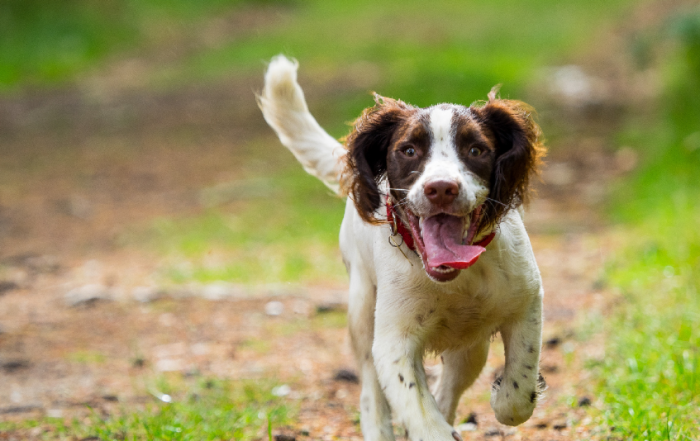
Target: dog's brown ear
[[519, 152], [367, 145]]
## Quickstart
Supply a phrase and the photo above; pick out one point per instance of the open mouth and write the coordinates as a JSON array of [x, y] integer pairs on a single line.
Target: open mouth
[[445, 242]]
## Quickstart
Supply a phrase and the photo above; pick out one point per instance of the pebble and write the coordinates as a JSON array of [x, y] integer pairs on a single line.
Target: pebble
[[467, 427], [274, 308], [560, 425], [87, 295], [146, 294], [553, 342], [54, 413], [170, 365], [346, 375], [492, 431], [216, 291], [13, 366], [584, 402], [281, 391], [6, 286], [330, 307], [471, 418]]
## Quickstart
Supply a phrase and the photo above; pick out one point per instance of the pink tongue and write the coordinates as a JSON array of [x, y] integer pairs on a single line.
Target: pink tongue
[[442, 236]]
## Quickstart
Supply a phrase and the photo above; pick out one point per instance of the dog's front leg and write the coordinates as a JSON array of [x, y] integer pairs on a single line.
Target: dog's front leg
[[514, 395], [398, 357]]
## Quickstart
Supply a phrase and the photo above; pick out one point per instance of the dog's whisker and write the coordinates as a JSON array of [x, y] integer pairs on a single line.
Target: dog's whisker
[[495, 201]]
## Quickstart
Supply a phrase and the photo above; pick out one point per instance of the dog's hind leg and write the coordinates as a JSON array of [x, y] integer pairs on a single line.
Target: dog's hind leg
[[460, 369], [375, 412]]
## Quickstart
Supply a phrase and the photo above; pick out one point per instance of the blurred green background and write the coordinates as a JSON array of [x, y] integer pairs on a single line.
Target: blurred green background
[[177, 77]]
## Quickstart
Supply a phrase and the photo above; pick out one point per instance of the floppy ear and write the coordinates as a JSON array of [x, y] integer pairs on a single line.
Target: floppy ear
[[368, 145], [519, 152]]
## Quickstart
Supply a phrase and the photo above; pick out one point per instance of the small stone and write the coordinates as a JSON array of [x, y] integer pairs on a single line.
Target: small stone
[[560, 425], [471, 418], [492, 432], [552, 342], [467, 427], [347, 376], [584, 402], [7, 286], [274, 308], [54, 413], [19, 409], [170, 365], [146, 294], [216, 291], [330, 307], [13, 366], [87, 295], [281, 391], [549, 368]]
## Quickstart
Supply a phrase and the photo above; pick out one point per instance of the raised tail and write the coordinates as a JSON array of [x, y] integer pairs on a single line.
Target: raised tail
[[285, 110]]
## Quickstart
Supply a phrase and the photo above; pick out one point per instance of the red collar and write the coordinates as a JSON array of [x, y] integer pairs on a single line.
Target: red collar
[[408, 237]]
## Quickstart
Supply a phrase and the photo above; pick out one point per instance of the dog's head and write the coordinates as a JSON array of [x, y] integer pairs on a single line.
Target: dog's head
[[452, 171]]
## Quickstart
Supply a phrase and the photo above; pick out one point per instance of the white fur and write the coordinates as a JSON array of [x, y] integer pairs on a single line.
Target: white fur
[[396, 312], [444, 164], [284, 108]]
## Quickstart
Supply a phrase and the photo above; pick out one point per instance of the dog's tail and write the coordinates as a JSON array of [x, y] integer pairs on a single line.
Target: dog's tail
[[284, 108]]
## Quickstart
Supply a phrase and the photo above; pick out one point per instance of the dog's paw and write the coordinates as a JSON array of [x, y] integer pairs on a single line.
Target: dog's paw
[[437, 430], [513, 401]]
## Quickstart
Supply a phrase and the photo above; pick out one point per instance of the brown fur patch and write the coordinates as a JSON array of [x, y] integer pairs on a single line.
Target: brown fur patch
[[367, 145], [519, 153]]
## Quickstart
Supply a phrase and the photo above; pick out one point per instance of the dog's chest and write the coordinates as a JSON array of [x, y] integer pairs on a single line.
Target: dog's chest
[[469, 314], [459, 321]]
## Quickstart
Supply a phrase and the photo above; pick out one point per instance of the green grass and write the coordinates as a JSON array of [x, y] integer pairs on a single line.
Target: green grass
[[290, 235], [449, 52], [207, 410], [650, 379], [45, 43]]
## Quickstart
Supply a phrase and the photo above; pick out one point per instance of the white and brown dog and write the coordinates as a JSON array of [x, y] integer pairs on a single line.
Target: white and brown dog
[[430, 191]]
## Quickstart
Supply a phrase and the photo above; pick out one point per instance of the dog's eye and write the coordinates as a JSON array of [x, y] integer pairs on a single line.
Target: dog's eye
[[409, 151], [474, 151]]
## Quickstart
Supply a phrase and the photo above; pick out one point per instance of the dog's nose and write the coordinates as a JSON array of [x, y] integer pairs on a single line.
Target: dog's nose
[[441, 192]]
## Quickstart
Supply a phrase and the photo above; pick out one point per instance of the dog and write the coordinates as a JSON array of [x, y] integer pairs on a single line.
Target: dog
[[435, 247]]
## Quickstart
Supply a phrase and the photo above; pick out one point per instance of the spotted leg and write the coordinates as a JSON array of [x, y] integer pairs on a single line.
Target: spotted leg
[[374, 410], [398, 357], [514, 395]]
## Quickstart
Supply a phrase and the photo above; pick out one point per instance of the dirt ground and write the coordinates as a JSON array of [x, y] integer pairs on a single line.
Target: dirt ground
[[80, 321]]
